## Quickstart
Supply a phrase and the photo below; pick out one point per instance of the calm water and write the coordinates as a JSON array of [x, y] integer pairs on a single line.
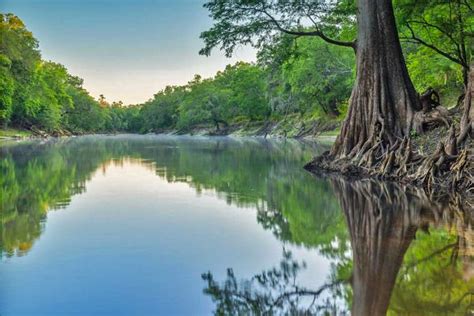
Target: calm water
[[146, 225]]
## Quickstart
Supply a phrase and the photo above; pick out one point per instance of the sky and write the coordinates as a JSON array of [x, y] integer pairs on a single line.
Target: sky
[[124, 49]]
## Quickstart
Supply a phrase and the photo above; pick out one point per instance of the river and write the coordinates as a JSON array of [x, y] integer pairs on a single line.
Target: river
[[161, 225]]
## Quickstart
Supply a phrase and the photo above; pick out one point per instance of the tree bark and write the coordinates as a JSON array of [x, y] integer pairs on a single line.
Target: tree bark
[[467, 120], [383, 99]]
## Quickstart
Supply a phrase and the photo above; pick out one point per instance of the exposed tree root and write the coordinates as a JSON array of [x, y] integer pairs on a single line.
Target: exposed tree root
[[448, 168], [438, 116]]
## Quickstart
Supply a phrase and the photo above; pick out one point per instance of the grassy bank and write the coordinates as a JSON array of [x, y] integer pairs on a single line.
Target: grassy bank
[[9, 133]]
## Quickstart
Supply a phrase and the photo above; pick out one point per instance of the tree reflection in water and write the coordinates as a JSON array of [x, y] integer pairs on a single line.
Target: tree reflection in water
[[272, 291], [410, 255], [264, 174]]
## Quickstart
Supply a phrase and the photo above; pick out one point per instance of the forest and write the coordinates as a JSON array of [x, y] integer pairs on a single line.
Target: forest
[[297, 75]]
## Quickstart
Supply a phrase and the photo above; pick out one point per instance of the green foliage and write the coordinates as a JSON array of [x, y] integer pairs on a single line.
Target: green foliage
[[199, 104], [283, 82], [19, 58], [236, 92], [297, 87], [438, 39], [243, 87], [446, 77], [87, 115], [446, 27], [7, 88], [162, 111], [43, 95], [48, 98], [432, 278]]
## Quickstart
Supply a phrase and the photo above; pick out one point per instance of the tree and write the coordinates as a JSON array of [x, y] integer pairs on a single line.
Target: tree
[[102, 101], [467, 120], [161, 112], [197, 104], [242, 87], [383, 99], [87, 115], [307, 76], [256, 23], [445, 27], [7, 89], [46, 100], [19, 59]]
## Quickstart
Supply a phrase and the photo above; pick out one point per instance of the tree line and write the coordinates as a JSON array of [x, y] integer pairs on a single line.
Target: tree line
[[294, 75]]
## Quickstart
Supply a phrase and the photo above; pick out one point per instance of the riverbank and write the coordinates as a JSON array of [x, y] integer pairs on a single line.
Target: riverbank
[[20, 134], [290, 127], [12, 133], [424, 145], [434, 160]]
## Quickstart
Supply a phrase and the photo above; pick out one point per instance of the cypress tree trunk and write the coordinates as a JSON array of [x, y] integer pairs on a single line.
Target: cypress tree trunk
[[467, 121], [383, 99]]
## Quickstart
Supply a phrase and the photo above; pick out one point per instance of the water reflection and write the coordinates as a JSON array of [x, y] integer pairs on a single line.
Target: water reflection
[[271, 292], [40, 177], [410, 256], [392, 248]]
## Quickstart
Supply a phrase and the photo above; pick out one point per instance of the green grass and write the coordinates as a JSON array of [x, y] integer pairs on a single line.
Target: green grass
[[14, 133]]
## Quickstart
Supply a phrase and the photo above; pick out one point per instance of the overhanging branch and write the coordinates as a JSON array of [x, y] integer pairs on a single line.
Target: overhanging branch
[[415, 39], [316, 32]]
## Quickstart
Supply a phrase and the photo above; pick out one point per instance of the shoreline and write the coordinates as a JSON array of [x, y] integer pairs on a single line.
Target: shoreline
[[318, 166], [326, 133]]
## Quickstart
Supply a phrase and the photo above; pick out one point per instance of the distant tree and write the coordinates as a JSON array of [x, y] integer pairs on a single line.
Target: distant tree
[[102, 101], [243, 86], [161, 112], [47, 99], [87, 115], [19, 59], [7, 89]]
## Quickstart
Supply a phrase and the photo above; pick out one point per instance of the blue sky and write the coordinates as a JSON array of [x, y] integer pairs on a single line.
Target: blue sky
[[124, 49]]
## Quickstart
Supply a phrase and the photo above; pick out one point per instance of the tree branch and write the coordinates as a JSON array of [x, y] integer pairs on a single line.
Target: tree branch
[[436, 49], [316, 32], [304, 292], [440, 29]]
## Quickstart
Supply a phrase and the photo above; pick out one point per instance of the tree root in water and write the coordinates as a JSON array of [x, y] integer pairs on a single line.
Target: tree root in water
[[450, 168]]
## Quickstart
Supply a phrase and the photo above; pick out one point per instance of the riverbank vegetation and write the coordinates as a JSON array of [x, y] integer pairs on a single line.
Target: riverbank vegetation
[[299, 85]]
